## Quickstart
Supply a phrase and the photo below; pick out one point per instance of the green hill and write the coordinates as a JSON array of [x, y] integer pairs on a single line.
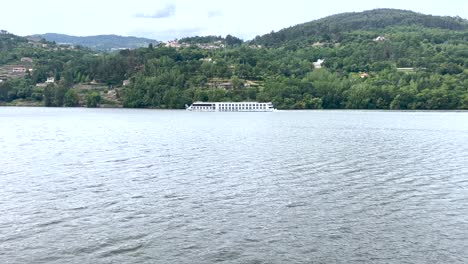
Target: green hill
[[333, 27]]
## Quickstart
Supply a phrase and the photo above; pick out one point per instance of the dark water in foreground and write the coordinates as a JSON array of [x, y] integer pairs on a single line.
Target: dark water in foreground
[[146, 186]]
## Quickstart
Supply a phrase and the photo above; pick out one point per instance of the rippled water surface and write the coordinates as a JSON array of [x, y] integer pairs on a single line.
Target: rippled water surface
[[148, 186]]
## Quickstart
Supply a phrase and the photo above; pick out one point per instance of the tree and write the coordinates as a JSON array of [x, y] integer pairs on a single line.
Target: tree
[[464, 101], [71, 98], [361, 96], [232, 41], [49, 95], [93, 99], [59, 95], [236, 82]]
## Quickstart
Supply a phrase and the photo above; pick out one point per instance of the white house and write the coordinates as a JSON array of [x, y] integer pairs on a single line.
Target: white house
[[50, 80], [379, 38], [206, 59], [364, 75], [318, 64]]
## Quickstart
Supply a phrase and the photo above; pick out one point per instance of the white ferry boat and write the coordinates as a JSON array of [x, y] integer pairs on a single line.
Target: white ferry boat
[[231, 107]]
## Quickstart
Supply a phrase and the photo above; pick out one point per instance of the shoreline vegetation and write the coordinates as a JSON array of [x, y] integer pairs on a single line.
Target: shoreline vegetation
[[32, 105], [378, 59]]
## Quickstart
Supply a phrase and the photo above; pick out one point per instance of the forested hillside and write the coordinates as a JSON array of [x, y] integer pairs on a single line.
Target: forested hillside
[[335, 28], [379, 59]]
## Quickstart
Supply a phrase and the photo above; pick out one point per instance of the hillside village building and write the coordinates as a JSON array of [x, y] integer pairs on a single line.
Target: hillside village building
[[19, 69], [26, 59], [379, 38], [318, 64]]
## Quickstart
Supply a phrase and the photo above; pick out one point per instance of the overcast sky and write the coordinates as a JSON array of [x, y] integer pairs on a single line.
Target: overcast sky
[[169, 19]]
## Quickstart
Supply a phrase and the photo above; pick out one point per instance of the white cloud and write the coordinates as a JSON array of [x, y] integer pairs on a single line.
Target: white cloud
[[215, 13], [166, 12]]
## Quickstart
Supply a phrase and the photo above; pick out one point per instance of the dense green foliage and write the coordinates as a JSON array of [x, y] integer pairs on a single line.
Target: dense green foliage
[[71, 98], [201, 39], [334, 28], [93, 99], [420, 62], [228, 40]]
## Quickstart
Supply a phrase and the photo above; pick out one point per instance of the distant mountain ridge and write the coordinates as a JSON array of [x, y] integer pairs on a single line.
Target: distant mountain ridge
[[100, 42], [331, 27]]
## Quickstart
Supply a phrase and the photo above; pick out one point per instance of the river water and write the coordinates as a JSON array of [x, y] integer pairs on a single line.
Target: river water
[[152, 186]]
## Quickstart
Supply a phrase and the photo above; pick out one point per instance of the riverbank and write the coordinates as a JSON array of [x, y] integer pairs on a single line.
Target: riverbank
[[29, 103]]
